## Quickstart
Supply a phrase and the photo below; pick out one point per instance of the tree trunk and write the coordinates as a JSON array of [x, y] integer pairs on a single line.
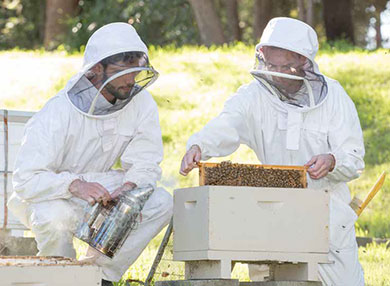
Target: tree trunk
[[301, 10], [380, 5], [56, 13], [233, 20], [263, 13], [209, 24], [378, 36], [338, 20], [310, 13]]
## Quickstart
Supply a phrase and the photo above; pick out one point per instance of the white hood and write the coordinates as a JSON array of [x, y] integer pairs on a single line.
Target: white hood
[[293, 35], [107, 41]]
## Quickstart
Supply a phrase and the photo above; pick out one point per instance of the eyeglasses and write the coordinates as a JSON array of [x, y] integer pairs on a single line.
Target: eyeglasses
[[290, 68], [127, 59]]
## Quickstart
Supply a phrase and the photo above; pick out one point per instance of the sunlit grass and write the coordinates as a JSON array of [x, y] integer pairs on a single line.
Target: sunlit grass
[[192, 88]]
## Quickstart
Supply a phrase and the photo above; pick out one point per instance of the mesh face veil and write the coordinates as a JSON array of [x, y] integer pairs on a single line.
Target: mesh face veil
[[295, 83], [123, 76]]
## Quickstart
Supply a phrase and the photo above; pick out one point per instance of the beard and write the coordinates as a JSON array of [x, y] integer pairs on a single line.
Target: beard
[[119, 93], [290, 85]]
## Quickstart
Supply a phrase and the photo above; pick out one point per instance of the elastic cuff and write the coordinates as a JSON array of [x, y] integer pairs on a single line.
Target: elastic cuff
[[138, 182], [334, 162], [188, 147], [68, 183]]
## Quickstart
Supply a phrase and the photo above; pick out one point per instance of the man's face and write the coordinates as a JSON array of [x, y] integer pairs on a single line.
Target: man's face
[[120, 87], [283, 61]]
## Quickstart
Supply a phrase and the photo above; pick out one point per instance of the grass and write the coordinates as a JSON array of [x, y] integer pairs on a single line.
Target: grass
[[374, 258], [194, 84]]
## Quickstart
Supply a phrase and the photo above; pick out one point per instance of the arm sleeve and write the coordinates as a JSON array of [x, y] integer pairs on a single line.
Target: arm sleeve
[[224, 134], [40, 154], [345, 140], [144, 153]]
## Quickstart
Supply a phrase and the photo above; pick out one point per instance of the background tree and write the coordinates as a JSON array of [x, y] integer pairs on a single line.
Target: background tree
[[21, 23], [378, 6], [233, 22], [208, 22], [57, 11], [177, 22], [262, 14], [338, 20], [159, 22]]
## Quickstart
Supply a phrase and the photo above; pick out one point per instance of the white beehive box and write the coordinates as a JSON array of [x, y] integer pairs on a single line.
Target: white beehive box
[[16, 122], [222, 223], [50, 271]]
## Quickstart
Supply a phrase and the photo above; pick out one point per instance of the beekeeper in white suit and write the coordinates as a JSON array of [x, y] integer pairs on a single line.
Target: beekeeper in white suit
[[104, 114], [291, 114]]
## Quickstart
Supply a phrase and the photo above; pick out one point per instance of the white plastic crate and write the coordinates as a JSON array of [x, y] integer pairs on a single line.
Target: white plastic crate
[[16, 123]]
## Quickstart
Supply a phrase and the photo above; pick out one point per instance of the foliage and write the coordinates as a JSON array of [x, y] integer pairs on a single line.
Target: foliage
[[21, 23], [159, 22]]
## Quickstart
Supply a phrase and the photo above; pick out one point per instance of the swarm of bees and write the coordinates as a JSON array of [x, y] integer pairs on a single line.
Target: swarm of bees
[[231, 174]]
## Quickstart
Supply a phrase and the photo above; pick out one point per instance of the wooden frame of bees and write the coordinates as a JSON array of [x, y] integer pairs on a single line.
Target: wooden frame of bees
[[252, 175]]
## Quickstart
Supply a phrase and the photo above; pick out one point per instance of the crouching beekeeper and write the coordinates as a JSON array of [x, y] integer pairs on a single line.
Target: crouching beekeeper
[[104, 114], [291, 114]]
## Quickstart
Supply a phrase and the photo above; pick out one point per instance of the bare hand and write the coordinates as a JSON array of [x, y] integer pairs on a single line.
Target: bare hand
[[128, 186], [320, 165], [190, 160], [89, 191]]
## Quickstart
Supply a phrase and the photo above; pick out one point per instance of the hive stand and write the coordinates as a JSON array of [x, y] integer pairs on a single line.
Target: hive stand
[[225, 282], [279, 271]]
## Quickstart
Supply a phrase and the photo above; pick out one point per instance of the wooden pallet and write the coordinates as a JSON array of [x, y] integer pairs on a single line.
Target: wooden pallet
[[203, 170]]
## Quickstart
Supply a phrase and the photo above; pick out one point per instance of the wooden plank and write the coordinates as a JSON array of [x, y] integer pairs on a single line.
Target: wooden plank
[[288, 167]]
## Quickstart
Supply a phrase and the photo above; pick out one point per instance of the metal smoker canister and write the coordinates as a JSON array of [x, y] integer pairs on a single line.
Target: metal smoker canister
[[105, 228]]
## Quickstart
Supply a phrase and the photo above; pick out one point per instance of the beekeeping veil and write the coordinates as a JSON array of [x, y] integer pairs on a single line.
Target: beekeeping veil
[[115, 68], [300, 84]]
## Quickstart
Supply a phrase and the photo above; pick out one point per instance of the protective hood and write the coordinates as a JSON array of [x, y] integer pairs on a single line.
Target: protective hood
[[293, 35], [296, 81], [119, 45]]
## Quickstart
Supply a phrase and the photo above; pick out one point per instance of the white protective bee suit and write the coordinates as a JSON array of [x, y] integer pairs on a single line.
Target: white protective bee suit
[[63, 143], [284, 134]]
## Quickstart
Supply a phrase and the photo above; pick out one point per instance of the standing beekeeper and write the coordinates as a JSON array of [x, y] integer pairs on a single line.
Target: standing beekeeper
[[291, 114], [104, 114]]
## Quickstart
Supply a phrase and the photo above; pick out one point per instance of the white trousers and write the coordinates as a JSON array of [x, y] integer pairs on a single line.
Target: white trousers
[[343, 251], [54, 222]]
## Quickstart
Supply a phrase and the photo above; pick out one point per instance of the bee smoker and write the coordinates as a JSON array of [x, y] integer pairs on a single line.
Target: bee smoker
[[105, 228]]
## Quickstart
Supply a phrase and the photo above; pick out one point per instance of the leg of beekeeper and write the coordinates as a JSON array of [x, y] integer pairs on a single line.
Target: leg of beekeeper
[[53, 223], [156, 214], [258, 272], [346, 269]]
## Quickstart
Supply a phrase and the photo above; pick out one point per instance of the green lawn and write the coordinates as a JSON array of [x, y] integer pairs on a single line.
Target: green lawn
[[194, 84]]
